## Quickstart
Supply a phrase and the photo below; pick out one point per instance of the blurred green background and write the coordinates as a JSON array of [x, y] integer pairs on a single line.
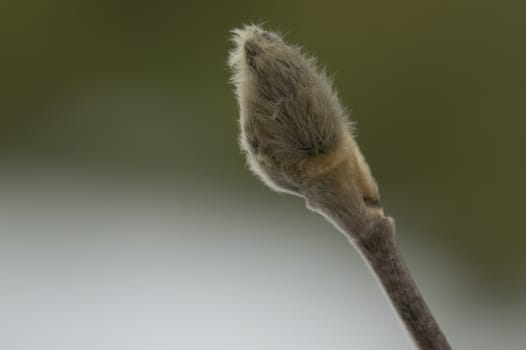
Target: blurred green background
[[437, 90]]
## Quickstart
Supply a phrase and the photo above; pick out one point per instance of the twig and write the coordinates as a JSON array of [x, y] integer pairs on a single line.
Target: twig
[[297, 139], [380, 250]]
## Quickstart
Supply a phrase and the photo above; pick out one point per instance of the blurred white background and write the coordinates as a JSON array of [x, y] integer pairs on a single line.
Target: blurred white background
[[102, 264]]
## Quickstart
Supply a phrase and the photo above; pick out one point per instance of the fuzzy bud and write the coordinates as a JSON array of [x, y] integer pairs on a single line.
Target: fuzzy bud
[[293, 127]]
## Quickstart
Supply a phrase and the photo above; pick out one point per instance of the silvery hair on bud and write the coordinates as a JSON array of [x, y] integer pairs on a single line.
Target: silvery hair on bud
[[288, 109], [293, 126]]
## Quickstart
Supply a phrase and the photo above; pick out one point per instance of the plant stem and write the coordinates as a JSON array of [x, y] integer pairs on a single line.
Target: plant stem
[[380, 249], [336, 196]]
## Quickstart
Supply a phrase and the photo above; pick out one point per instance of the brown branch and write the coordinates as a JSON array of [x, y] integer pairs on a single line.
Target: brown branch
[[380, 249], [335, 195]]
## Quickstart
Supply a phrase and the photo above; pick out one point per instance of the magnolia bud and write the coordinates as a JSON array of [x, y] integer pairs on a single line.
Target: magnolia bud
[[297, 139], [293, 127]]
